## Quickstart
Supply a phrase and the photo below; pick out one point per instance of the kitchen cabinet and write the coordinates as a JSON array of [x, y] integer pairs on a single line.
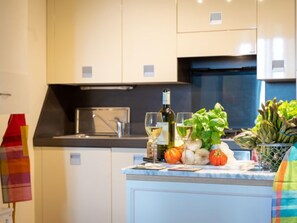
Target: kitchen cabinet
[[84, 41], [171, 198], [121, 158], [276, 40], [213, 28], [149, 41], [214, 15], [14, 57], [231, 43], [73, 185]]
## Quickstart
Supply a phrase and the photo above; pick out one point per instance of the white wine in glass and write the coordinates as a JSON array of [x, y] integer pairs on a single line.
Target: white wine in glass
[[153, 129], [184, 129]]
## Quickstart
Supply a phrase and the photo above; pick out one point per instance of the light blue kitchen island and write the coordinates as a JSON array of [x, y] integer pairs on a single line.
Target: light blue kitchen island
[[210, 195]]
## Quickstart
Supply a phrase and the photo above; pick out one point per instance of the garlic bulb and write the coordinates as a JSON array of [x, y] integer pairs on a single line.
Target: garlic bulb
[[194, 144], [201, 156], [188, 157]]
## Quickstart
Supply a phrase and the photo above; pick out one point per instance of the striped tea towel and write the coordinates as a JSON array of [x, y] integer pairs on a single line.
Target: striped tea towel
[[284, 202], [14, 161]]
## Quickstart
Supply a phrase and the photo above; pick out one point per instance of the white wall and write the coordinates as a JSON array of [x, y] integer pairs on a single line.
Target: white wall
[[37, 89]]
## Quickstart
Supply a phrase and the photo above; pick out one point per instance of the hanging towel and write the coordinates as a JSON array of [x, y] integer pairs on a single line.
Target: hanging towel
[[14, 161], [284, 202]]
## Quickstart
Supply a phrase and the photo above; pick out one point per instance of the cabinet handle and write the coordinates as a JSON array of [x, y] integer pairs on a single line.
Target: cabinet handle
[[278, 65], [215, 18], [5, 94]]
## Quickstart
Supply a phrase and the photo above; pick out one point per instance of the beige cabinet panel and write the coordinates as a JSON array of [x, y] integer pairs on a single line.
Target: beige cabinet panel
[[219, 43], [121, 158], [210, 15], [149, 41], [14, 93], [14, 57], [73, 185], [276, 40], [84, 41]]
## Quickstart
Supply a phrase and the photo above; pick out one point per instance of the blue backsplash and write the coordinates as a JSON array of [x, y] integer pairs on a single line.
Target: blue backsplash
[[282, 91], [232, 81]]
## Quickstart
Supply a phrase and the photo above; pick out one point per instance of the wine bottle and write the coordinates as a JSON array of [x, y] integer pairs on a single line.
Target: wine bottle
[[167, 137]]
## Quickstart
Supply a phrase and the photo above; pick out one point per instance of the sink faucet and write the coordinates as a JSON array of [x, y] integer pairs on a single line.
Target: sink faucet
[[120, 125]]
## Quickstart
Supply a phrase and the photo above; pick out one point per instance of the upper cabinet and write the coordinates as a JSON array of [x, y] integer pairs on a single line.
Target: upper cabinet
[[213, 15], [149, 41], [276, 40], [111, 41], [216, 27], [132, 41], [14, 57], [84, 41]]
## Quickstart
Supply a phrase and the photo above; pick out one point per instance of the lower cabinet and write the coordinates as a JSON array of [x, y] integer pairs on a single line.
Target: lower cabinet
[[122, 157], [82, 185], [184, 200], [73, 185]]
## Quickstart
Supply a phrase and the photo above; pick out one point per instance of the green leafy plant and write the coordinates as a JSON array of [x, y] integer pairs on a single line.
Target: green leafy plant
[[275, 123], [209, 125]]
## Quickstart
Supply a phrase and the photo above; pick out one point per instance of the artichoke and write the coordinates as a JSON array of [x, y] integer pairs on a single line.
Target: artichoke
[[246, 139]]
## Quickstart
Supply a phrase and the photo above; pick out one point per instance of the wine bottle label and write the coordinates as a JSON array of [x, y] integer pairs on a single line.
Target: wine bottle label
[[166, 98], [163, 139]]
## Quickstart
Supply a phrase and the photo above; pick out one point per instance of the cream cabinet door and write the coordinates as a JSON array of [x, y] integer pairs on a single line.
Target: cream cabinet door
[[149, 41], [217, 43], [84, 41], [211, 15], [276, 40], [73, 185], [14, 92], [121, 158]]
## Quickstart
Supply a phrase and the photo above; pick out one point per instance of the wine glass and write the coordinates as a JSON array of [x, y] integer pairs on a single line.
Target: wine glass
[[153, 129], [184, 129]]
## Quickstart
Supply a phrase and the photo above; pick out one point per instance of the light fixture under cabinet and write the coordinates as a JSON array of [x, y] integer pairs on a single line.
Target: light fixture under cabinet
[[122, 88]]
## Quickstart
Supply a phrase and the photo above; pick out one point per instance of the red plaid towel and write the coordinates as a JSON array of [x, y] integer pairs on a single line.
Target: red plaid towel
[[14, 161]]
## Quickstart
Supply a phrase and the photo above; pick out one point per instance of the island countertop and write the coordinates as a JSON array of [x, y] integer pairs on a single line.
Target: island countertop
[[231, 174]]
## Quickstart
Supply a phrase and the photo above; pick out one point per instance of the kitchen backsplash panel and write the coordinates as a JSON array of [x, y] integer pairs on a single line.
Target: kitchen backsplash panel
[[58, 112]]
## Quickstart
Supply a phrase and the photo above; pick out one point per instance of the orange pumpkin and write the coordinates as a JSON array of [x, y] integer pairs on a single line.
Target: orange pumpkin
[[217, 157], [180, 148], [173, 155]]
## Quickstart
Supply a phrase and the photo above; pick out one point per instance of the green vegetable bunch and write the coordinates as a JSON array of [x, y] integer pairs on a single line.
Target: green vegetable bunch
[[275, 123], [209, 125]]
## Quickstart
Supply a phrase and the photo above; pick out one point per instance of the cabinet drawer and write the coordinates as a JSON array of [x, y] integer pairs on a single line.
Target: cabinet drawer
[[14, 93], [210, 15], [236, 42]]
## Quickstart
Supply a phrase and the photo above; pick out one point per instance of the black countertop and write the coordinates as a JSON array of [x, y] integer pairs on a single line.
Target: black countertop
[[103, 142], [133, 141]]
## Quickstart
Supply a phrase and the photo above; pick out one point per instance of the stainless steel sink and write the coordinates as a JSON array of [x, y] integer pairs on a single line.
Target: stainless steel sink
[[86, 136]]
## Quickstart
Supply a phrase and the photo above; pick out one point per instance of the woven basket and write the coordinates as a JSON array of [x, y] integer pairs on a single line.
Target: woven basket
[[270, 156]]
